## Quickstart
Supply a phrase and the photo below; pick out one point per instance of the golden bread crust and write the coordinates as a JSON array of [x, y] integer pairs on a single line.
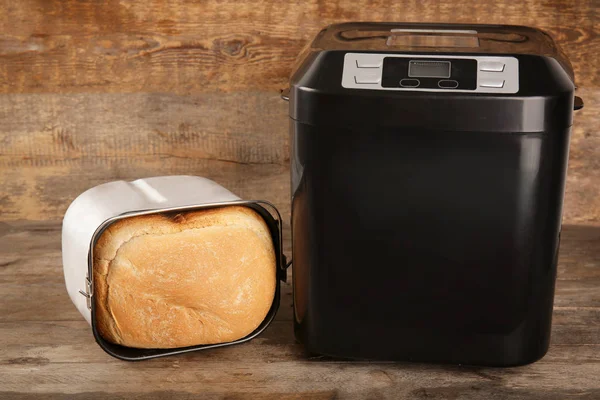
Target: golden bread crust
[[200, 277]]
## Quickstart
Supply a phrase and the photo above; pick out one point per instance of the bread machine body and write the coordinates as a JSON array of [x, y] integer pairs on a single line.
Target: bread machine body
[[97, 208], [428, 168]]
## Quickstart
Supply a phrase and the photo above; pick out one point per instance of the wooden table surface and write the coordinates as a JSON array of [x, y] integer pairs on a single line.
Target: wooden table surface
[[96, 91]]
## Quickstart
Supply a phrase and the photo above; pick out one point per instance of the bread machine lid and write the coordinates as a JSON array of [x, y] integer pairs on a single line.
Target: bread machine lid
[[454, 77], [440, 38]]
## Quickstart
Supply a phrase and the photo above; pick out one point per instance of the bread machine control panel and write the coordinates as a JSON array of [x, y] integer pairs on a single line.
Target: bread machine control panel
[[431, 73]]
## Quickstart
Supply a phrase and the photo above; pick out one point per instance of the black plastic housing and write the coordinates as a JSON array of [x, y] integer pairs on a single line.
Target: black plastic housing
[[426, 226]]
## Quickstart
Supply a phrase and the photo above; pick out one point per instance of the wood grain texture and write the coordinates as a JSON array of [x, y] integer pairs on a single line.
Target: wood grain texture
[[97, 91], [80, 140], [240, 140], [47, 350], [121, 89], [216, 45]]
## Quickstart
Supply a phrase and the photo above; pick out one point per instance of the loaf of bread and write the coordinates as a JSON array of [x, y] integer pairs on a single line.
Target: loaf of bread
[[167, 281]]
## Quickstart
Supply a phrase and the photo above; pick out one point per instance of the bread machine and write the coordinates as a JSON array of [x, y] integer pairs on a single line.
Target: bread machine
[[428, 169]]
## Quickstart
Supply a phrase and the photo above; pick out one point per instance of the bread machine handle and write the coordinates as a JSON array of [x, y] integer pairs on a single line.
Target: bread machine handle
[[578, 103], [283, 263]]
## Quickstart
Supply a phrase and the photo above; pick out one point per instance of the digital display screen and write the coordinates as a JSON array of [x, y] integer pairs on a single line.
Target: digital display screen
[[434, 72], [429, 69]]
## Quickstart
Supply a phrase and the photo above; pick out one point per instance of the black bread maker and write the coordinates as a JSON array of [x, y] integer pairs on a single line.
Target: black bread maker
[[428, 167]]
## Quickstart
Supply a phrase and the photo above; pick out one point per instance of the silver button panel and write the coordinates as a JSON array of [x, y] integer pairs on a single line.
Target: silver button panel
[[410, 82], [369, 63], [491, 66], [494, 74], [367, 76], [448, 83], [491, 83]]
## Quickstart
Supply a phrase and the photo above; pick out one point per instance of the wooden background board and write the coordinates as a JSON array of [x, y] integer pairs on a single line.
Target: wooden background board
[[96, 91]]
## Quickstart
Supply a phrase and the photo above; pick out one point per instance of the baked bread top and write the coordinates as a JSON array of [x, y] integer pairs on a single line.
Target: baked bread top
[[200, 277]]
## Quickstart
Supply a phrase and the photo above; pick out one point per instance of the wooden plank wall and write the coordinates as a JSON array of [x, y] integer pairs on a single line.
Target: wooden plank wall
[[97, 91]]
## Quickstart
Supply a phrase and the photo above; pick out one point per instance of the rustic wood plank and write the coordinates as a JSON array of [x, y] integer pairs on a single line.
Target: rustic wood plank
[[78, 141], [583, 175], [227, 71], [219, 45], [345, 379], [56, 146], [48, 351], [38, 193], [575, 338], [160, 394], [73, 342], [244, 128]]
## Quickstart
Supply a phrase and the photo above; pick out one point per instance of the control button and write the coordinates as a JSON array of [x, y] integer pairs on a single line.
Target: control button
[[448, 84], [410, 83], [491, 66], [369, 63], [491, 83], [367, 76]]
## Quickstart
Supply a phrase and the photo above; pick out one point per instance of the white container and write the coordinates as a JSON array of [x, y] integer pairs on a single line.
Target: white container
[[95, 209]]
